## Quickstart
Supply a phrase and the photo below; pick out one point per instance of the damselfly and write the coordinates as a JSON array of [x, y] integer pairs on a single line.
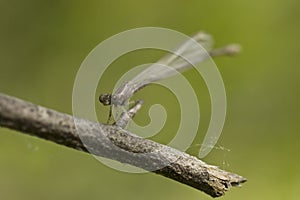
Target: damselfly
[[164, 68]]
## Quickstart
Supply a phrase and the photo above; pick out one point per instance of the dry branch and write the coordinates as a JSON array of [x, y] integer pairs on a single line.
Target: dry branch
[[115, 143]]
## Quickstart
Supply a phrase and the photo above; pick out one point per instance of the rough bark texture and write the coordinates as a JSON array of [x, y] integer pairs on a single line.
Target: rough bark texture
[[115, 143]]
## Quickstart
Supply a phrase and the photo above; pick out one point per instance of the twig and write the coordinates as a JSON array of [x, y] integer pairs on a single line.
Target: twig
[[115, 143]]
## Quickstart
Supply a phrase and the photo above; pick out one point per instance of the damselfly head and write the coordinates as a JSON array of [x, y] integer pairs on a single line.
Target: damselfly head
[[105, 99]]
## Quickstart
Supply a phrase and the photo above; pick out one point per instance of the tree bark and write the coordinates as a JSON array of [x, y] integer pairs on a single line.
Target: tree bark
[[115, 143]]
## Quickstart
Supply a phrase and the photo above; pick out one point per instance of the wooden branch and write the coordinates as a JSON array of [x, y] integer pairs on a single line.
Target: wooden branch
[[115, 143]]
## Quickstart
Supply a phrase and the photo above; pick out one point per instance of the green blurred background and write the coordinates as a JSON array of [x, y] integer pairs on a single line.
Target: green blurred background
[[42, 44]]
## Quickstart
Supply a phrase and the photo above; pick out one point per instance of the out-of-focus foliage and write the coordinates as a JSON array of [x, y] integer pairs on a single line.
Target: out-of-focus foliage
[[42, 44]]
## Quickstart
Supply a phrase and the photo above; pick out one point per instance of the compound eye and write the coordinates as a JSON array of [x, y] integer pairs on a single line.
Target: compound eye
[[105, 99]]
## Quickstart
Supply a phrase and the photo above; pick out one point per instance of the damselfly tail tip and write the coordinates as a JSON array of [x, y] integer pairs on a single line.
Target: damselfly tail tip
[[233, 49], [229, 50]]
